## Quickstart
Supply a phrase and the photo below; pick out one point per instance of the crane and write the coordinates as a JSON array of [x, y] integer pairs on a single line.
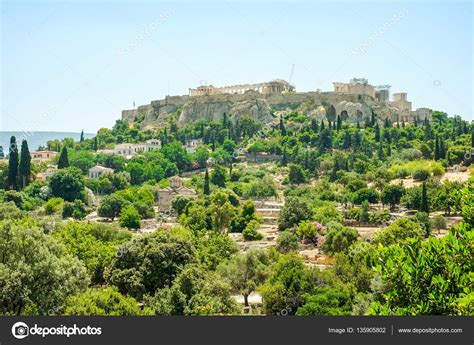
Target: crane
[[291, 73]]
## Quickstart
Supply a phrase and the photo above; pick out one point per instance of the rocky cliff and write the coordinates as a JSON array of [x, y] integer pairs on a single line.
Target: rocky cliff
[[321, 105]]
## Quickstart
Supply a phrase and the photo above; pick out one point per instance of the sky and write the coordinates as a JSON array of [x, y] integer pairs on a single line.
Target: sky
[[73, 65]]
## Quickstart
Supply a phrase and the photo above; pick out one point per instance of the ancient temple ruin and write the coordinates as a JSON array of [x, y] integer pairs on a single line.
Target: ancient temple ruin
[[274, 86]]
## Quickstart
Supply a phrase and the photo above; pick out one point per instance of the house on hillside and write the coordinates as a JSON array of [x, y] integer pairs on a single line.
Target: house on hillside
[[98, 171], [42, 156], [176, 188]]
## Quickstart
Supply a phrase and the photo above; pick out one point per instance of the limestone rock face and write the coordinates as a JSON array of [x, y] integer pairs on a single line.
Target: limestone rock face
[[319, 105], [211, 108]]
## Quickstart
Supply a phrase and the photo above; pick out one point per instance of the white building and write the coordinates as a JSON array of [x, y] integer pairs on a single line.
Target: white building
[[192, 144], [98, 171], [129, 150]]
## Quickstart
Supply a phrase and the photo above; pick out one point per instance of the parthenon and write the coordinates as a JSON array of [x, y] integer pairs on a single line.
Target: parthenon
[[274, 86]]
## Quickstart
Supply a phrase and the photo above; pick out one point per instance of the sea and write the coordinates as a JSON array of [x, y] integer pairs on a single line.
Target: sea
[[37, 139]]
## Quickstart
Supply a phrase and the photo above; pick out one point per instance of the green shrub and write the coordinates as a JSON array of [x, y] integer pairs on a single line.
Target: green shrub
[[53, 205], [338, 238], [130, 218], [287, 242], [250, 232], [421, 174], [398, 232], [76, 209], [438, 222], [306, 230]]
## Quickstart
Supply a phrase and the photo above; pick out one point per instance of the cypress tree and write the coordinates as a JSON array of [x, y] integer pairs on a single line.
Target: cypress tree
[[339, 122], [372, 119], [322, 125], [380, 153], [436, 149], [424, 205], [347, 140], [95, 144], [314, 125], [284, 159], [377, 132], [25, 163], [63, 161], [442, 149], [2, 154], [224, 120], [207, 190], [472, 135], [12, 164], [358, 125], [82, 136], [282, 126]]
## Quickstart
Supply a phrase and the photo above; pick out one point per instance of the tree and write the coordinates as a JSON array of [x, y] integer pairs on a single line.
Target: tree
[[25, 164], [391, 195], [222, 211], [104, 302], [63, 161], [398, 232], [111, 206], [282, 127], [437, 149], [13, 164], [365, 194], [82, 136], [130, 218], [424, 207], [326, 301], [95, 144], [296, 174], [250, 232], [339, 122], [338, 238], [284, 290], [246, 215], [364, 212], [287, 242], [68, 184], [195, 291], [53, 205], [219, 176], [245, 272], [472, 135], [294, 211], [150, 262], [180, 203], [176, 153], [224, 120], [207, 190], [76, 209], [214, 248], [94, 244], [36, 274], [325, 140], [442, 287], [377, 133]]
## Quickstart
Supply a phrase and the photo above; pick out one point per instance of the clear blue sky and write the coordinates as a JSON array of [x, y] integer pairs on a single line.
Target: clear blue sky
[[72, 65]]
